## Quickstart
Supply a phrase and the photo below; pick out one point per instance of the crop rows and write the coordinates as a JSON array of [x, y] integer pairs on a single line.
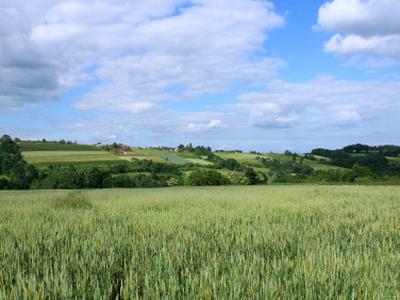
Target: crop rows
[[214, 242]]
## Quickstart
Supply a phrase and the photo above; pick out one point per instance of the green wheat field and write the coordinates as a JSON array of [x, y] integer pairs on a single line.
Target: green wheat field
[[282, 241]]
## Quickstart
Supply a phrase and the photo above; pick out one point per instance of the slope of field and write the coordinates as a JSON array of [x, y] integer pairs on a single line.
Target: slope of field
[[38, 152], [199, 161], [394, 160], [173, 158], [51, 146], [240, 157], [141, 154], [261, 242], [67, 156]]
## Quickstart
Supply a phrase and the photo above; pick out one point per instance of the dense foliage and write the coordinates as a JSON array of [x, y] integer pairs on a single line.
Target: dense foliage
[[17, 174], [375, 161]]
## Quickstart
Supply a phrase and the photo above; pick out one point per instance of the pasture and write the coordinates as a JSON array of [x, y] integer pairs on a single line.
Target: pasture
[[173, 158], [67, 156], [54, 146], [266, 242], [241, 157], [199, 161]]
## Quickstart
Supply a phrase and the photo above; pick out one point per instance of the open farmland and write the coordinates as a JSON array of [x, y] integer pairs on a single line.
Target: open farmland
[[240, 157], [173, 158], [39, 152], [67, 156], [293, 241], [394, 160], [199, 161], [54, 146]]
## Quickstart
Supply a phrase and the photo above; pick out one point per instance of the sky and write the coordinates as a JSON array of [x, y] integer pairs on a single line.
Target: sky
[[231, 74]]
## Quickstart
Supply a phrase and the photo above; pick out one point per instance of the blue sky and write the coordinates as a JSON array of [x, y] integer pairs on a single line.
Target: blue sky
[[239, 74]]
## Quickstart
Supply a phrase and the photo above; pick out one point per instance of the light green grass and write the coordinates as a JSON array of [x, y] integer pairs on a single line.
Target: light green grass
[[67, 156], [30, 154], [320, 166], [173, 158], [261, 242], [394, 160], [199, 161], [318, 157], [149, 154], [240, 157]]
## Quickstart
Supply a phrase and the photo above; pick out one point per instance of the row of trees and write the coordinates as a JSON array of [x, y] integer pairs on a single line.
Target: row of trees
[[15, 173], [375, 161], [358, 174], [212, 177], [386, 150]]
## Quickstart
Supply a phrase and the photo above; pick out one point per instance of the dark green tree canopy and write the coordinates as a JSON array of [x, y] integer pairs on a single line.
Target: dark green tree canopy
[[7, 145]]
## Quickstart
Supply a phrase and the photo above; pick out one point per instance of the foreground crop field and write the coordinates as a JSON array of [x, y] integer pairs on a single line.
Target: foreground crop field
[[212, 242]]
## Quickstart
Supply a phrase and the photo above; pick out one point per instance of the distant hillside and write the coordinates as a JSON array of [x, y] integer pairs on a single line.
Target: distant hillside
[[66, 165], [55, 146]]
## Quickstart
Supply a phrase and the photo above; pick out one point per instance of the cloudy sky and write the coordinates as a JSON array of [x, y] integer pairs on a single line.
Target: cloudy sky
[[248, 74]]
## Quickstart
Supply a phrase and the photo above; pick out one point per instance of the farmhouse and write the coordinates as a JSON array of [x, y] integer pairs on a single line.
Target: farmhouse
[[126, 149]]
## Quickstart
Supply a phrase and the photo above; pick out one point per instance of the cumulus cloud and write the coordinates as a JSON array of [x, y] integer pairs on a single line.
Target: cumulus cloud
[[200, 127], [320, 104], [170, 128], [364, 27], [349, 117], [134, 51], [372, 46]]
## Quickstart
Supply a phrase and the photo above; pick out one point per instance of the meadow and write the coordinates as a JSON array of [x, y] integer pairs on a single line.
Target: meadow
[[51, 152], [55, 146], [67, 156], [173, 158], [282, 241]]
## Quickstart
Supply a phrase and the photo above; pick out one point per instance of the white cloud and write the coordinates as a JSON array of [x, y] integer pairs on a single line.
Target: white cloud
[[365, 27], [200, 127], [320, 104], [349, 117], [167, 127], [136, 51], [323, 112], [361, 17], [382, 46]]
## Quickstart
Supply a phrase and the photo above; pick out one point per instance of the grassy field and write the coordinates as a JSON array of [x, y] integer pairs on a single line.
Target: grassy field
[[52, 146], [263, 242], [394, 160], [199, 161], [241, 157], [173, 158], [67, 156], [149, 154]]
